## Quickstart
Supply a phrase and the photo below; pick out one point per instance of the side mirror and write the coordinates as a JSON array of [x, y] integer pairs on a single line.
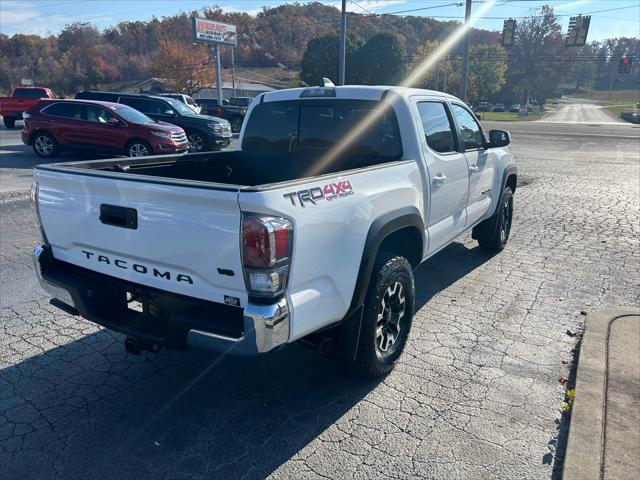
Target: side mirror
[[170, 112], [114, 122], [499, 138]]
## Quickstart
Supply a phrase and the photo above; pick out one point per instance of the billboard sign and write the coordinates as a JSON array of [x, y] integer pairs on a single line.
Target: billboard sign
[[212, 31]]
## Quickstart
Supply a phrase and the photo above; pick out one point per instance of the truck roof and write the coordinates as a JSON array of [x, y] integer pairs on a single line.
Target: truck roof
[[355, 92]]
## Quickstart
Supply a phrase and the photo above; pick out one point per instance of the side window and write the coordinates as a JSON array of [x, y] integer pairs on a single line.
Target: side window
[[155, 107], [140, 104], [98, 114], [437, 126], [65, 110], [470, 131]]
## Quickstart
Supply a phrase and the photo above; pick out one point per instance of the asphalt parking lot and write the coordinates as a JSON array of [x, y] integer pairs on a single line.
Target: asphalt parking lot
[[475, 395]]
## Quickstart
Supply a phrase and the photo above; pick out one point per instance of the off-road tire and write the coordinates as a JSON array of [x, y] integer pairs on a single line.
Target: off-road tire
[[389, 271], [493, 233]]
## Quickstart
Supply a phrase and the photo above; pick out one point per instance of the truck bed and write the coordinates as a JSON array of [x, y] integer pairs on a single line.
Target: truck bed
[[237, 168]]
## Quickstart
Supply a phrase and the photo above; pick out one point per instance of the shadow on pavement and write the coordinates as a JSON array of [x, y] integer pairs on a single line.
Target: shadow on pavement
[[87, 410], [445, 268]]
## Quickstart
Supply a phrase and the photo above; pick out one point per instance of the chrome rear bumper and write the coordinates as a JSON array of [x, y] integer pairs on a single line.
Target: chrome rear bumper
[[266, 327]]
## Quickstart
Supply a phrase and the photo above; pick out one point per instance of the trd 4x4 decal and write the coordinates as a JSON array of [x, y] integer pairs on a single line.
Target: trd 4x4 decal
[[329, 192]]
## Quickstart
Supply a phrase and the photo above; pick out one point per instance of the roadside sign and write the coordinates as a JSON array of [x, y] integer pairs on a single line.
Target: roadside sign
[[26, 82], [524, 111], [212, 31]]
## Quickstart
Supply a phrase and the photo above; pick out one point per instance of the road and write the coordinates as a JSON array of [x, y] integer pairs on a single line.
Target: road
[[475, 395], [580, 112]]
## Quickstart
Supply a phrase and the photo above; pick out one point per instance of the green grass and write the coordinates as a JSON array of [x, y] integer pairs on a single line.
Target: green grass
[[508, 116], [605, 97], [618, 109]]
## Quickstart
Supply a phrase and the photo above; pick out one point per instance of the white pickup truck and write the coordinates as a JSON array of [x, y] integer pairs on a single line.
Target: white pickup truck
[[310, 232]]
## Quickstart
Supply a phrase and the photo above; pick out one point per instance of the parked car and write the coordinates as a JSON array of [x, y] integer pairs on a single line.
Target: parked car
[[483, 107], [186, 99], [21, 100], [514, 108], [101, 127], [555, 101], [233, 113], [311, 231], [498, 107], [204, 132]]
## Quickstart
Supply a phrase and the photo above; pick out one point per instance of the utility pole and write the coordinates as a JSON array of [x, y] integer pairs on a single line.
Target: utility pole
[[465, 53], [437, 75], [343, 43], [233, 70], [613, 70], [216, 53], [446, 73]]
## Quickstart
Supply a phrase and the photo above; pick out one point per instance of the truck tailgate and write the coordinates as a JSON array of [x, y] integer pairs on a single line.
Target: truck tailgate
[[179, 239]]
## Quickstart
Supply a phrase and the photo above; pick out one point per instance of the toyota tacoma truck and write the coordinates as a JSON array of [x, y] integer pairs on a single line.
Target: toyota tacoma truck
[[310, 232], [21, 100]]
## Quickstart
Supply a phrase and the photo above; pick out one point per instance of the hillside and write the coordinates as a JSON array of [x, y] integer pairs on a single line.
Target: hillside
[[81, 56]]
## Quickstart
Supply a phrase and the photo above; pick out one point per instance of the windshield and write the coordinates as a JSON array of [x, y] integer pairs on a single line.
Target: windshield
[[132, 115], [312, 126], [179, 107]]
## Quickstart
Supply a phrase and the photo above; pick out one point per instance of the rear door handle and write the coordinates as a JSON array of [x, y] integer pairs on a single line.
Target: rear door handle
[[474, 169], [439, 179]]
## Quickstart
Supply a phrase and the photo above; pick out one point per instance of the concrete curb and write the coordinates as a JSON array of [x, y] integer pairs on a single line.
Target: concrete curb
[[586, 446]]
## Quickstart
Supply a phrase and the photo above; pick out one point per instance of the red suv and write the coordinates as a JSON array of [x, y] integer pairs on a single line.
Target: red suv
[[101, 127]]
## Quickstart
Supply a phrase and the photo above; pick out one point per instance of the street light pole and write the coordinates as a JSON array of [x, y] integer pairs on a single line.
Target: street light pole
[[465, 53], [343, 43]]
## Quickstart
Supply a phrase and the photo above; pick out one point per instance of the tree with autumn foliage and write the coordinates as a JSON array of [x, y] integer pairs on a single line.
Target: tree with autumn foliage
[[185, 68], [487, 67]]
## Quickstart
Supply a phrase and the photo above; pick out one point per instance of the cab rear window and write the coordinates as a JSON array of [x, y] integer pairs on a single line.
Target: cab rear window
[[317, 126], [29, 93]]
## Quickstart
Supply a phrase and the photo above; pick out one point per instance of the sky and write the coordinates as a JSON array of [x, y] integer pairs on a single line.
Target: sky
[[43, 17]]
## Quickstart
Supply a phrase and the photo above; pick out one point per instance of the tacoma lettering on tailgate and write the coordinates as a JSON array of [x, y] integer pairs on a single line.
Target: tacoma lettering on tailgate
[[136, 267]]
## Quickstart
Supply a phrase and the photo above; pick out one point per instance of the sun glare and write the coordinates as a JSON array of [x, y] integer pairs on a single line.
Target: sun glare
[[414, 77]]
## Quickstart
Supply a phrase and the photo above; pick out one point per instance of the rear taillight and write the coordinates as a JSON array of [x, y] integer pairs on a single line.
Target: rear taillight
[[266, 254]]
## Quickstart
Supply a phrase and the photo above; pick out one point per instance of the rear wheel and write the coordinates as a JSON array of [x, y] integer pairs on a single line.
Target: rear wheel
[[387, 315], [493, 233], [197, 142], [45, 145], [139, 148], [236, 124], [9, 122]]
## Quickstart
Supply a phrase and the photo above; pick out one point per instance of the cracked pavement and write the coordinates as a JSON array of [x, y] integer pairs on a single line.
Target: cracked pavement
[[474, 396]]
